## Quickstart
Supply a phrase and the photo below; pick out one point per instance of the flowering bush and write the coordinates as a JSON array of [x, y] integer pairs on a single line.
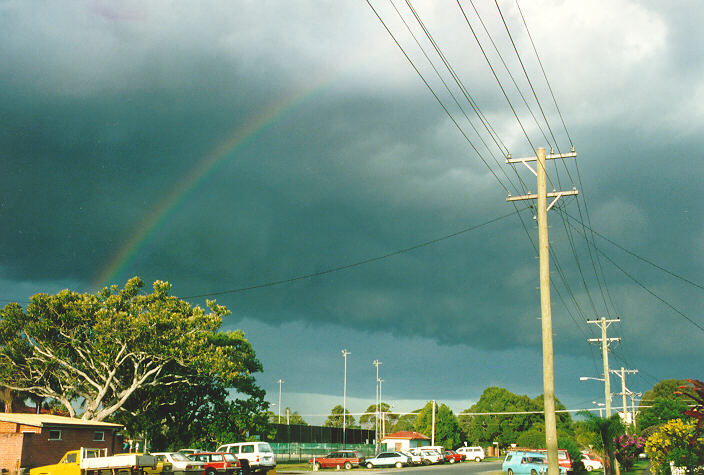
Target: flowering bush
[[676, 441], [627, 449]]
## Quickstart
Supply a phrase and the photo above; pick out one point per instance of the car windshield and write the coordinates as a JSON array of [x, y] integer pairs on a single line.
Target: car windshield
[[264, 447], [229, 457], [179, 457]]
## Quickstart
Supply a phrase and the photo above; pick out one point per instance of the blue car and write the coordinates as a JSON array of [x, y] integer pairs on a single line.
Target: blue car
[[527, 463], [388, 459]]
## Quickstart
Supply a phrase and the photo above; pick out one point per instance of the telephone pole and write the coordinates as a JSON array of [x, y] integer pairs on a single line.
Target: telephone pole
[[604, 323], [622, 374], [545, 306]]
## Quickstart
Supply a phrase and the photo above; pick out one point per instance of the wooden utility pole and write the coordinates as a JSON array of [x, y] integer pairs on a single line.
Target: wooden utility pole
[[545, 306], [624, 393], [604, 323]]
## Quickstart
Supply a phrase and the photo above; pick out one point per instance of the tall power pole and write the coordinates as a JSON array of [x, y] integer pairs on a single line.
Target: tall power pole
[[344, 397], [545, 306], [604, 323], [624, 393]]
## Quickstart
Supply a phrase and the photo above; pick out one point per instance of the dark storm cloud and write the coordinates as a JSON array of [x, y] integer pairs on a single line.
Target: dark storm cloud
[[111, 107]]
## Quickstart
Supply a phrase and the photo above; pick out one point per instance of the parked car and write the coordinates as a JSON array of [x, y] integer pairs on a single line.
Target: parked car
[[452, 457], [531, 463], [591, 462], [563, 457], [388, 459], [220, 463], [472, 453], [428, 456], [341, 458], [416, 459], [181, 465], [253, 456], [161, 467]]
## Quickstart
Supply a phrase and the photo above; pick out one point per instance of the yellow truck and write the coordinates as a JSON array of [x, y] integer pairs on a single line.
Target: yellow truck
[[86, 461]]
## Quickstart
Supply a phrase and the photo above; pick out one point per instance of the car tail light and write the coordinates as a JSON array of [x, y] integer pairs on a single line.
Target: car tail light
[[257, 458]]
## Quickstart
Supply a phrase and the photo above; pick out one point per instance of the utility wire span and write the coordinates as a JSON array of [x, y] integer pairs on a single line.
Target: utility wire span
[[355, 264], [684, 279]]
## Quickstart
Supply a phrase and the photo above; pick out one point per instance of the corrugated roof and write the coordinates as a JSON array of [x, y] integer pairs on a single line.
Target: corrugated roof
[[41, 420], [407, 434]]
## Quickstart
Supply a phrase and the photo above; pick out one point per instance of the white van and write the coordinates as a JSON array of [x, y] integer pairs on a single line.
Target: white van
[[253, 456], [472, 453]]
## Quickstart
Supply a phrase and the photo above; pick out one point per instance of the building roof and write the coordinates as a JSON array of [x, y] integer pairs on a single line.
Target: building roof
[[407, 434], [45, 420]]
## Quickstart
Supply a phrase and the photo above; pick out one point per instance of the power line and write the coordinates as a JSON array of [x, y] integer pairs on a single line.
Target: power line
[[355, 264]]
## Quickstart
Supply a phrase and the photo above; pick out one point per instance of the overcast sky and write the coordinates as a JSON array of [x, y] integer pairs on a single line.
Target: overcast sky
[[224, 145]]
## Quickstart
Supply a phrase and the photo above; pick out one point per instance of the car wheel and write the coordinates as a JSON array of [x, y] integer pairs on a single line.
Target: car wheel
[[589, 468], [317, 465], [245, 465], [369, 465], [426, 462], [348, 466], [210, 471], [533, 472], [509, 471], [477, 459], [452, 460], [399, 465]]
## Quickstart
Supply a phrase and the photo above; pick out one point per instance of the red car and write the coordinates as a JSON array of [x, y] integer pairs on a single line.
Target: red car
[[451, 456], [217, 463], [341, 458]]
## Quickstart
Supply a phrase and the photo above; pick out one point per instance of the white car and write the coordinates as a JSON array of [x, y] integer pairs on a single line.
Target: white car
[[591, 463], [472, 453], [181, 465], [253, 456], [388, 459], [428, 456], [416, 459]]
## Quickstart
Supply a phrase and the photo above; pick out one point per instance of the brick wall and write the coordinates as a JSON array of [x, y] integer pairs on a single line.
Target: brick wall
[[35, 449], [10, 451]]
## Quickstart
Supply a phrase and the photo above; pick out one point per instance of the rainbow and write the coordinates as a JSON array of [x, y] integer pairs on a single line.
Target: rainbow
[[205, 167]]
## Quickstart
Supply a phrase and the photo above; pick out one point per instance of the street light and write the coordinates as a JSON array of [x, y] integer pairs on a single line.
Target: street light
[[344, 397], [607, 396]]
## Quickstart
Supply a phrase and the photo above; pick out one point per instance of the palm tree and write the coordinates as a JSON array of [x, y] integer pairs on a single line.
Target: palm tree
[[607, 429]]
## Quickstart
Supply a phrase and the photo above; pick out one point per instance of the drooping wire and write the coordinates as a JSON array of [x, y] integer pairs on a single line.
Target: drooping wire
[[437, 98], [467, 96], [354, 264], [530, 83], [544, 74]]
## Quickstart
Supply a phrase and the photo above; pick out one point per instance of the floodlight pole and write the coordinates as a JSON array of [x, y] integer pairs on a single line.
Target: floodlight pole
[[377, 363], [545, 307], [344, 397], [280, 383]]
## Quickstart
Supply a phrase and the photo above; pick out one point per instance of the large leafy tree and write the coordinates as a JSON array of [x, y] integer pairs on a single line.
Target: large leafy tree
[[406, 422], [336, 419], [447, 429], [665, 404], [504, 429], [102, 351], [387, 419]]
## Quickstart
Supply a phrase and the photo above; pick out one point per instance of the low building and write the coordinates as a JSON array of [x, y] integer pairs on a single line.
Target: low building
[[404, 440], [32, 440]]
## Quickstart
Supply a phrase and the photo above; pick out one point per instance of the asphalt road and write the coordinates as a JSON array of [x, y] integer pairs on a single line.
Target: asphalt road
[[485, 468]]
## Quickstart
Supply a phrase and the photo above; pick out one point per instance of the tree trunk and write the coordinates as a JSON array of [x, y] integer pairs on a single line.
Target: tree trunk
[[6, 395]]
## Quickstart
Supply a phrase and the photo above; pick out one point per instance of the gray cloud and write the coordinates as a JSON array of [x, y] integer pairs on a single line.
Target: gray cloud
[[111, 108]]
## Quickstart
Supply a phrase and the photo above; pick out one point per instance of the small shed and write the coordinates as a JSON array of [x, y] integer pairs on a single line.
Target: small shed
[[33, 440], [405, 439]]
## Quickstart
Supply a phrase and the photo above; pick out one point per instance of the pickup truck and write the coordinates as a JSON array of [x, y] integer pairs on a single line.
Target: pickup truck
[[96, 462]]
